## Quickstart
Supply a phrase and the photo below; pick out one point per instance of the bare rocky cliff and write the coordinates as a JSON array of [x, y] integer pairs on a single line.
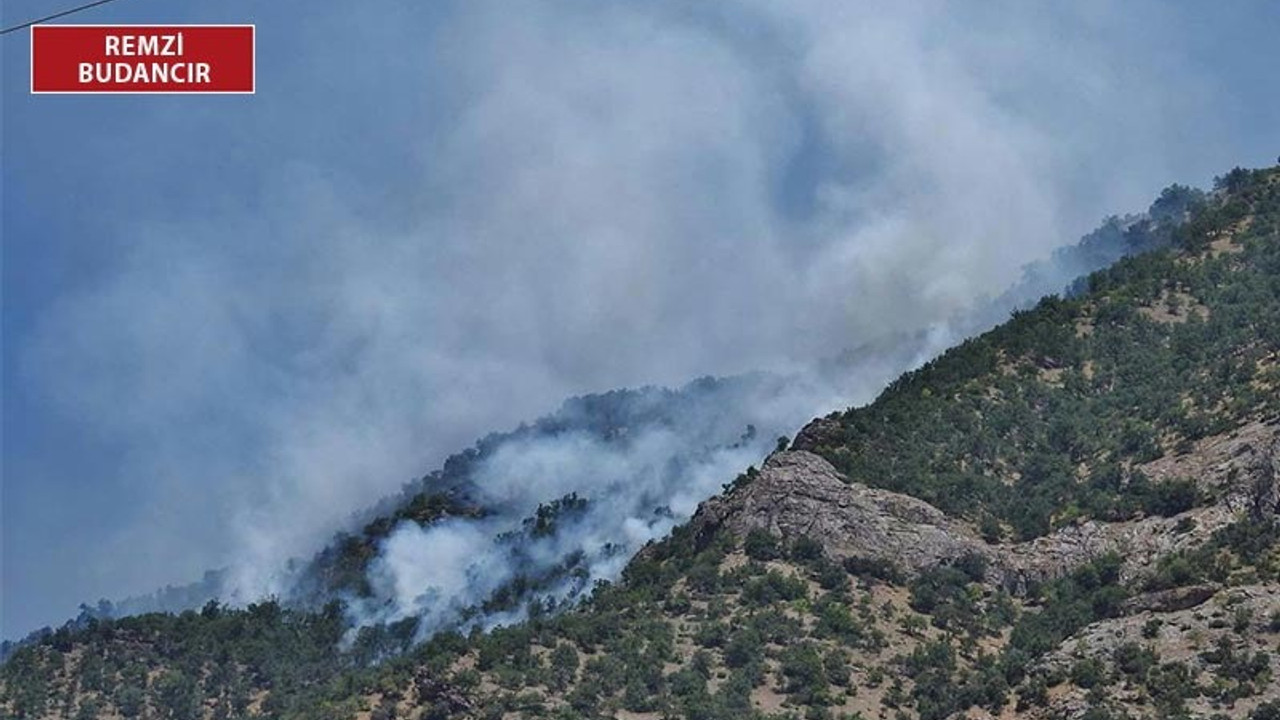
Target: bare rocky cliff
[[1227, 631], [799, 494]]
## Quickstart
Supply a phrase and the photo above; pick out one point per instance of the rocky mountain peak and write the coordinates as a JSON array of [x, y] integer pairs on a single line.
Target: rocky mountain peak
[[799, 494]]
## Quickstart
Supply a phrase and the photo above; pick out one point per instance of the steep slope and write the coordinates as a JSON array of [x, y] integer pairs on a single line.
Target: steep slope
[[658, 442], [1074, 515], [653, 439], [742, 413]]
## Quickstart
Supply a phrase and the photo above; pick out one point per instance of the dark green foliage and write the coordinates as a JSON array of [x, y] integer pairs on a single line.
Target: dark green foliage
[[1171, 685], [214, 654], [1034, 693], [564, 666], [804, 676], [942, 689], [874, 568], [942, 585], [774, 587], [548, 515], [1038, 398], [1088, 673], [1239, 672], [1134, 661], [1035, 425], [762, 546], [1248, 542], [1089, 594], [837, 622], [1170, 498], [951, 595], [806, 550], [1266, 711], [744, 647]]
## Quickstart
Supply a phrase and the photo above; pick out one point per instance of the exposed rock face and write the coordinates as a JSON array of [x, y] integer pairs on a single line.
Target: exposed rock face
[[1239, 617], [1171, 600], [1239, 467], [799, 494], [817, 432], [1140, 543]]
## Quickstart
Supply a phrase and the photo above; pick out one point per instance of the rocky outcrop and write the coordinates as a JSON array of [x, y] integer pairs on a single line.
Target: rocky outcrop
[[1239, 618], [1236, 470], [1239, 467], [1172, 600], [819, 432], [1180, 635], [1140, 543], [798, 493]]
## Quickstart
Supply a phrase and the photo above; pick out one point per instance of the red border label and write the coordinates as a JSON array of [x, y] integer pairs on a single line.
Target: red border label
[[142, 59]]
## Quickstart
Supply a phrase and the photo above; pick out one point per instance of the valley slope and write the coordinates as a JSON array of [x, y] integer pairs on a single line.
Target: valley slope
[[1074, 515]]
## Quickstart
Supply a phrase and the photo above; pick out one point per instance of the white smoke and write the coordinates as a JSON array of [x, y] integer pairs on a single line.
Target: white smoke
[[527, 201], [632, 495], [639, 478]]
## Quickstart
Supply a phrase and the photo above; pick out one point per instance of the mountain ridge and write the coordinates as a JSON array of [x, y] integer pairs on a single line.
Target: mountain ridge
[[1101, 466], [341, 564]]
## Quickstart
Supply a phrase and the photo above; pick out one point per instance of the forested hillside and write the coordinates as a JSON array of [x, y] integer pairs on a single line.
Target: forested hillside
[[1073, 515], [1041, 421]]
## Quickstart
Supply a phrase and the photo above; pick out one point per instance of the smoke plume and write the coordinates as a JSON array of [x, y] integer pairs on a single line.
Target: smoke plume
[[436, 220]]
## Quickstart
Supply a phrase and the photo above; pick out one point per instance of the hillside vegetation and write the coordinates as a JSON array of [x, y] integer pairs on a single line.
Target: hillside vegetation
[[1073, 515]]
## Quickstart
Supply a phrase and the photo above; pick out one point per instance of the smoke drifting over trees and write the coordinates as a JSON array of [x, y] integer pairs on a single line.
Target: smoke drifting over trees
[[349, 284]]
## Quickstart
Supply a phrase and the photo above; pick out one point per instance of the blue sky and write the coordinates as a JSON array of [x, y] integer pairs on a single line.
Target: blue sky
[[229, 321]]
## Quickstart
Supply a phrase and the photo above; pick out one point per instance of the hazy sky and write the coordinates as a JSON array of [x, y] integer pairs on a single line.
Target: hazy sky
[[229, 321]]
